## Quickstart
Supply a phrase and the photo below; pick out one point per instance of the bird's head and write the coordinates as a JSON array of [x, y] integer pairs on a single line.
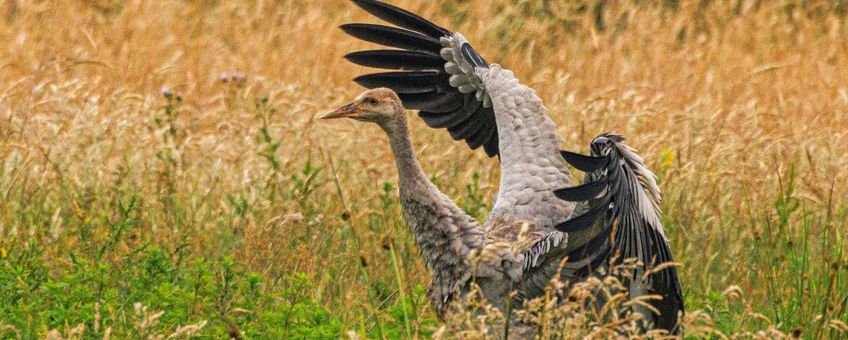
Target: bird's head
[[379, 106]]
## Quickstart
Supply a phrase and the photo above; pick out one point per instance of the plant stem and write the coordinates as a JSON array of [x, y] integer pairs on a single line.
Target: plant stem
[[400, 284]]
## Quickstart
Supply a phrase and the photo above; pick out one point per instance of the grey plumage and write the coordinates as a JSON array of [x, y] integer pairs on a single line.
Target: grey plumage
[[534, 223]]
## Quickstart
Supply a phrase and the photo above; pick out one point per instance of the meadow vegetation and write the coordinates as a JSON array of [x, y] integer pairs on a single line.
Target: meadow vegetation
[[162, 172]]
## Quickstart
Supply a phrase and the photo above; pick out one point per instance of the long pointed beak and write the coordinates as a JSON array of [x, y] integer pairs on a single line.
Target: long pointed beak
[[348, 111]]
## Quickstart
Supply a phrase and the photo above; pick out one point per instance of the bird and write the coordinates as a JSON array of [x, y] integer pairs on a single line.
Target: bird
[[617, 204], [538, 219]]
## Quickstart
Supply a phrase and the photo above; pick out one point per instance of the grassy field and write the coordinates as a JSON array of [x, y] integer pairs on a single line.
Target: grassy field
[[162, 172]]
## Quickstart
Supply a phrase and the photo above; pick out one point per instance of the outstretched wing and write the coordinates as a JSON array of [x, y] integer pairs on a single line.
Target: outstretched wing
[[624, 198], [435, 73]]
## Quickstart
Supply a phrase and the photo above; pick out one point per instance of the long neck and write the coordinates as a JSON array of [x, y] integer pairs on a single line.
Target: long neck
[[444, 233], [410, 172]]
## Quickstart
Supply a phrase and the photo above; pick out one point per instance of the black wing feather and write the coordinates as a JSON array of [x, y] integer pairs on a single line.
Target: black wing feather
[[466, 128], [584, 163], [586, 220], [485, 134], [432, 102], [449, 119], [583, 192], [401, 18], [481, 135], [492, 147], [468, 53], [393, 37], [404, 82], [397, 60], [635, 236], [592, 247], [442, 106]]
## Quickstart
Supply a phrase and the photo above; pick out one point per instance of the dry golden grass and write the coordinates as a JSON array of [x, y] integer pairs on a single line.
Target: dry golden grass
[[740, 106]]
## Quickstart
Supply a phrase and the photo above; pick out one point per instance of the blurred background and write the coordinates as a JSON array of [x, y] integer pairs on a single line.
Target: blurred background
[[162, 172]]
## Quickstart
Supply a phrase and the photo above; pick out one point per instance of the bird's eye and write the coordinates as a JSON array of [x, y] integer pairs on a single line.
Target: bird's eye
[[372, 101]]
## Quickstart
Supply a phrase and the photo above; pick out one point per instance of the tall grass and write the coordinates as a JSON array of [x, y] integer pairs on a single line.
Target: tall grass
[[224, 209]]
